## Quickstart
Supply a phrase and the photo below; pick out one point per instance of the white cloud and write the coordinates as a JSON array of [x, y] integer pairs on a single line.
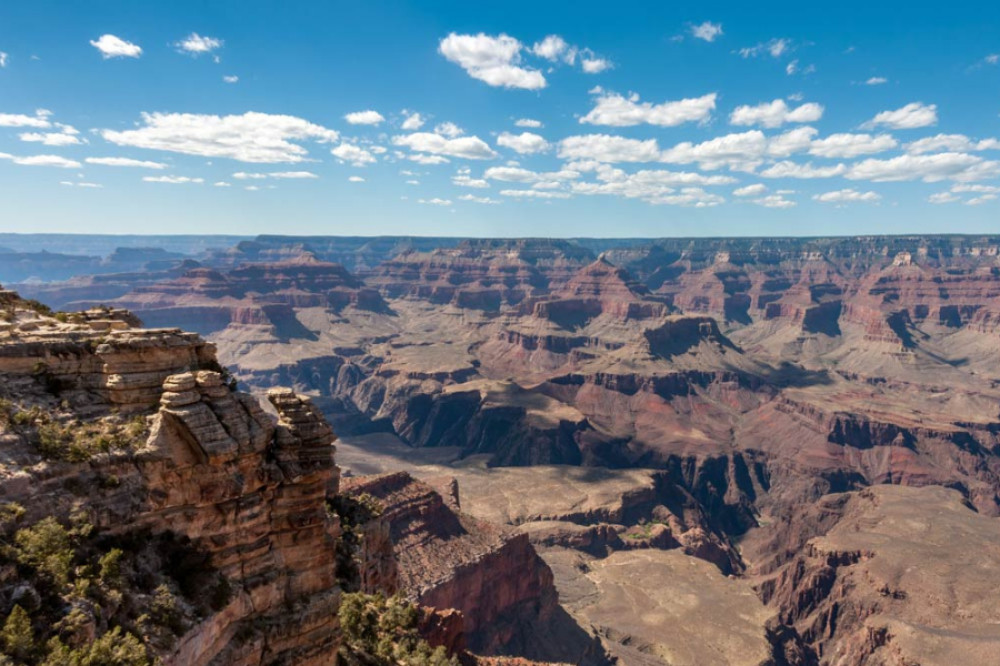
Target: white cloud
[[608, 148], [92, 186], [618, 111], [788, 169], [283, 175], [413, 121], [981, 200], [40, 120], [775, 114], [115, 47], [355, 179], [774, 48], [251, 188], [251, 137], [466, 147], [195, 44], [551, 48], [494, 60], [534, 194], [512, 174], [221, 183], [368, 117], [480, 200], [595, 65], [911, 116], [450, 130], [4, 57], [851, 145], [435, 202], [847, 196], [51, 138], [655, 186], [707, 31], [465, 180], [354, 155], [293, 175], [775, 201], [876, 81], [928, 168], [173, 180], [958, 143], [942, 198], [42, 160], [125, 162], [231, 79], [427, 159], [750, 190], [524, 143], [528, 122], [742, 151]]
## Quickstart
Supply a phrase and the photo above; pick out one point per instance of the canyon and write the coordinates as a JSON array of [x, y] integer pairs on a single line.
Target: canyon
[[656, 451]]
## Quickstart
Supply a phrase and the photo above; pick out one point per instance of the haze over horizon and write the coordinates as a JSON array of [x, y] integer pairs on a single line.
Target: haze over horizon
[[443, 119]]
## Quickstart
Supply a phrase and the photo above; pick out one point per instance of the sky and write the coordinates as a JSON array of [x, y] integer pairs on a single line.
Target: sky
[[499, 119]]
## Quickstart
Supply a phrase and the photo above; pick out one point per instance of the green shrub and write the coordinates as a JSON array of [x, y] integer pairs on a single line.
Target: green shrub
[[18, 636], [385, 631], [45, 547]]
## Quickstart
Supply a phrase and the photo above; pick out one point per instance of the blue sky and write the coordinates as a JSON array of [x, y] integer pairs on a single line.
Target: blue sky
[[499, 119]]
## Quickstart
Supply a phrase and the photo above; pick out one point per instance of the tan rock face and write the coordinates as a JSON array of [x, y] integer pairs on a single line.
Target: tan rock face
[[248, 492]]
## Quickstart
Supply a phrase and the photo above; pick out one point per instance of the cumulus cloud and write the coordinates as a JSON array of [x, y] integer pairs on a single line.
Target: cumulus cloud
[[435, 202], [493, 60], [618, 111], [707, 31], [851, 145], [789, 169], [534, 194], [125, 162], [368, 117], [173, 180], [775, 114], [39, 121], [413, 121], [594, 65], [354, 155], [847, 196], [4, 57], [911, 116], [528, 122], [450, 130], [66, 137], [281, 175], [463, 179], [876, 81], [742, 151], [466, 147], [655, 186], [231, 79], [512, 174], [479, 200], [355, 179], [111, 46], [195, 44], [928, 168], [608, 148], [525, 143], [251, 137], [777, 200], [958, 143], [554, 48], [750, 190], [41, 160]]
